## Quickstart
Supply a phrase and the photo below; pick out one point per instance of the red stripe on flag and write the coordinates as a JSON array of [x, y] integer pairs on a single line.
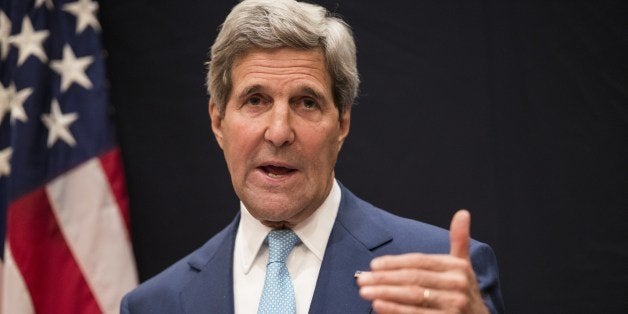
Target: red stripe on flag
[[112, 165], [50, 272]]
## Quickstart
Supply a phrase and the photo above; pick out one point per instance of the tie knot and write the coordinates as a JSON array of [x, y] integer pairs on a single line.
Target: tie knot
[[280, 243]]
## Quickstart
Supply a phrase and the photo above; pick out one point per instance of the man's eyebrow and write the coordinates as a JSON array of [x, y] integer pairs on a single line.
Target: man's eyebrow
[[249, 90], [309, 91], [312, 92]]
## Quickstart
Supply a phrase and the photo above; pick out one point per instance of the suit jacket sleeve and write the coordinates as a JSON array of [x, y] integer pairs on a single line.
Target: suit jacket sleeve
[[486, 272]]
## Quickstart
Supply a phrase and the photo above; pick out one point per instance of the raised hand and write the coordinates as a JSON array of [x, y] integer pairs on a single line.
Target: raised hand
[[426, 283]]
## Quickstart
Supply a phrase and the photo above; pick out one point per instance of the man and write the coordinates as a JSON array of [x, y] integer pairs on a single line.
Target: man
[[282, 79]]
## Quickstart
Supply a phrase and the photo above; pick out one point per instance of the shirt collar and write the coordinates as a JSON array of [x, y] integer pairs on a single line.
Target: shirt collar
[[313, 232]]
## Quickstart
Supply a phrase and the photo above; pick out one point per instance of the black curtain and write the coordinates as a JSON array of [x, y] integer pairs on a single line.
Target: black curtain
[[516, 110]]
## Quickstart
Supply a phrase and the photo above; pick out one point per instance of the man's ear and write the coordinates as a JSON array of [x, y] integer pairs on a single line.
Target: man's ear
[[216, 119], [345, 123]]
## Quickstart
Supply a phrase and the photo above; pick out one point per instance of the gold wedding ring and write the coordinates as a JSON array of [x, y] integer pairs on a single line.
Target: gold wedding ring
[[426, 295]]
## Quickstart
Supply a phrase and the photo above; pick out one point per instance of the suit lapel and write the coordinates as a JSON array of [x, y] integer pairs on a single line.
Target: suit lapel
[[354, 235], [211, 291]]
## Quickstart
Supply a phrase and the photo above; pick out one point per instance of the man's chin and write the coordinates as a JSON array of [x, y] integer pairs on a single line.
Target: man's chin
[[277, 209], [277, 224], [272, 214], [277, 217]]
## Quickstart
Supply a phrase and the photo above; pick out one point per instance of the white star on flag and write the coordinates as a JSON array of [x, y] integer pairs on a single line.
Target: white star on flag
[[85, 12], [5, 32], [16, 102], [5, 165], [58, 124], [72, 69], [29, 42], [48, 3]]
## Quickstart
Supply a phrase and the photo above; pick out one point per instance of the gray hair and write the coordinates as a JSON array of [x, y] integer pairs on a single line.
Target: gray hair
[[269, 24]]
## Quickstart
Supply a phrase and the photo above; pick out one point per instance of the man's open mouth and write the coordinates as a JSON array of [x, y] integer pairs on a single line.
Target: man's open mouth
[[276, 171]]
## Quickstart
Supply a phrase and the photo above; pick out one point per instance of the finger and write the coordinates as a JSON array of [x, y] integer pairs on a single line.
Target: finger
[[417, 297], [434, 262], [411, 295], [384, 307], [459, 234], [450, 280]]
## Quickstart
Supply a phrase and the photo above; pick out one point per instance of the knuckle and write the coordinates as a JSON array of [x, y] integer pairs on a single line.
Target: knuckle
[[379, 306], [380, 262], [463, 264], [415, 293], [382, 307], [375, 277], [460, 302], [414, 259], [460, 282], [415, 276], [467, 264], [416, 256]]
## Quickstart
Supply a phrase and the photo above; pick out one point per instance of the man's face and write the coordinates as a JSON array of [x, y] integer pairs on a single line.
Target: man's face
[[280, 133]]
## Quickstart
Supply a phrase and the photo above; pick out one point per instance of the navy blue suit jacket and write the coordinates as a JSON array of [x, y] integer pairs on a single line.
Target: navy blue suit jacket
[[202, 282]]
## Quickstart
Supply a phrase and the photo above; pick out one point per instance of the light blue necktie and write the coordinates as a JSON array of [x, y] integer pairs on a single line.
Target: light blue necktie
[[278, 294]]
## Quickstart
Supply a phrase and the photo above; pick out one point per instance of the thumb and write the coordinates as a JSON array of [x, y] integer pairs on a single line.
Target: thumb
[[459, 234]]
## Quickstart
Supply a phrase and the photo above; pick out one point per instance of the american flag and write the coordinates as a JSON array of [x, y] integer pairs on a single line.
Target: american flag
[[64, 227]]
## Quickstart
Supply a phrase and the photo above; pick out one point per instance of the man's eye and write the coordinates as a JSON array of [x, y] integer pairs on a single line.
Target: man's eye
[[255, 101], [309, 104]]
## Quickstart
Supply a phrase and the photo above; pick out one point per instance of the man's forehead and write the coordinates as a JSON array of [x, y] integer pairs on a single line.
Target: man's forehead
[[283, 56], [279, 50], [252, 70]]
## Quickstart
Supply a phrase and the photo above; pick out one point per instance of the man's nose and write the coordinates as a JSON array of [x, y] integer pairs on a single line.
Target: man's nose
[[279, 131]]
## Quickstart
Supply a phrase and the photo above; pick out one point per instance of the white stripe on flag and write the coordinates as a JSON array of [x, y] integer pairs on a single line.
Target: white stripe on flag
[[95, 232], [17, 299]]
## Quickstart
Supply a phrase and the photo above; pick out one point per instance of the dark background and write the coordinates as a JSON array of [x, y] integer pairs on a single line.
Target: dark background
[[517, 110]]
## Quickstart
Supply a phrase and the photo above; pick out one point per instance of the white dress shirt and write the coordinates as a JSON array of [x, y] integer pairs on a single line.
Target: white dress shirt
[[304, 262]]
